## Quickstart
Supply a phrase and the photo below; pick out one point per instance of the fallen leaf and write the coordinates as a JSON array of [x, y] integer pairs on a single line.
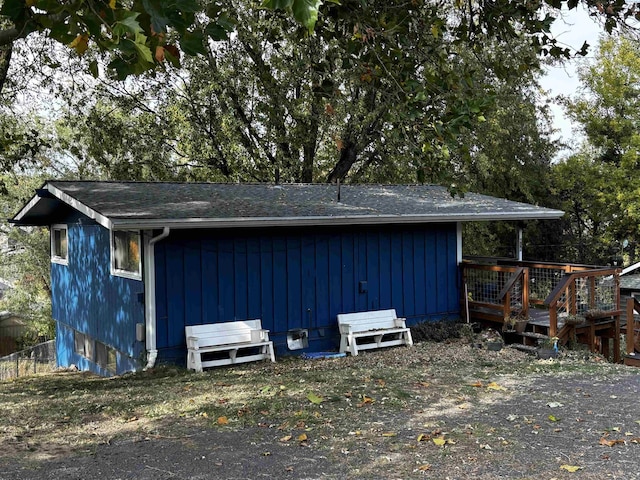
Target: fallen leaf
[[389, 434], [495, 386], [478, 384], [570, 468], [422, 437], [553, 418], [286, 438], [204, 414], [611, 443], [439, 441], [365, 401], [302, 437], [381, 382], [555, 404], [512, 417], [425, 385], [223, 421], [315, 399], [485, 447], [425, 467]]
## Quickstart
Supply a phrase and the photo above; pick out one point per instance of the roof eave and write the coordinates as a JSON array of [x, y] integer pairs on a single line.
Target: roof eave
[[255, 222]]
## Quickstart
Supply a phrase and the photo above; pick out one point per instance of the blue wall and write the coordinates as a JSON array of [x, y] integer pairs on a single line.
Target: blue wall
[[301, 278], [87, 298]]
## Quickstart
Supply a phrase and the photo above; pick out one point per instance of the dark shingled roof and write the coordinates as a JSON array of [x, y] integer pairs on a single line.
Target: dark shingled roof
[[630, 282], [152, 205]]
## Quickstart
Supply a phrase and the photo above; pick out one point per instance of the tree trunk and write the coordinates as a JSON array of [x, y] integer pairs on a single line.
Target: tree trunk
[[5, 60], [348, 156]]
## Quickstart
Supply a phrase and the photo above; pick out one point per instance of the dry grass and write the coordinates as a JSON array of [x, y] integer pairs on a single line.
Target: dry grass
[[396, 403]]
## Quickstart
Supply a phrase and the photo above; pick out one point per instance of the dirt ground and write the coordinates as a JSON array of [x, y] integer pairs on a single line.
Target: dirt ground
[[461, 413]]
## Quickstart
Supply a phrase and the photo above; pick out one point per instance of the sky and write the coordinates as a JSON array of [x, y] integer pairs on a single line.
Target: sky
[[572, 30]]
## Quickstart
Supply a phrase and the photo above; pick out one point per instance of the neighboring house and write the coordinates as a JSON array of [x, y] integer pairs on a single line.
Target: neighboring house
[[630, 282], [133, 263], [12, 327]]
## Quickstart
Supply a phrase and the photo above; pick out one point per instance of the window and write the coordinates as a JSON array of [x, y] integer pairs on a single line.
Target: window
[[83, 345], [125, 254], [106, 357], [59, 245]]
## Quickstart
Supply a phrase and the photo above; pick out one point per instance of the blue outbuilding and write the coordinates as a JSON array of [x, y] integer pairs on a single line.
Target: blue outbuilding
[[133, 263]]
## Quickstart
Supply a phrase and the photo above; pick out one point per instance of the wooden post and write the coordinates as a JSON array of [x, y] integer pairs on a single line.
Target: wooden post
[[572, 300], [553, 320], [616, 339], [630, 327], [525, 292]]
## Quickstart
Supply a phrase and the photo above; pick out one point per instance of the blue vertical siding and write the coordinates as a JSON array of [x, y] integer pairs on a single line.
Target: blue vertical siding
[[296, 278], [85, 297]]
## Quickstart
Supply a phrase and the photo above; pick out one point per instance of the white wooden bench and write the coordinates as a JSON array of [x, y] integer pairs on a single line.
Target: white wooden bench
[[382, 326], [230, 337]]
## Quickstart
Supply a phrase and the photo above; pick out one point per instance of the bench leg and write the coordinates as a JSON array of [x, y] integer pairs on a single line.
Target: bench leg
[[343, 344], [232, 355], [194, 361], [378, 340], [271, 353], [408, 339], [353, 346]]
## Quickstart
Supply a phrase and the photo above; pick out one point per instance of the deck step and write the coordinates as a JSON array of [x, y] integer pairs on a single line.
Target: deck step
[[632, 360], [524, 348]]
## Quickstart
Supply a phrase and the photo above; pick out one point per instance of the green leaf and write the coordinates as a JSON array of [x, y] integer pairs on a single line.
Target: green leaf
[[141, 47], [306, 12], [127, 24], [277, 4], [155, 9], [14, 9], [216, 32], [93, 68], [192, 43], [315, 399]]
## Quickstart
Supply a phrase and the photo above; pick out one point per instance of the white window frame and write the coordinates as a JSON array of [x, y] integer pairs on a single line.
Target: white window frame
[[126, 273], [57, 258]]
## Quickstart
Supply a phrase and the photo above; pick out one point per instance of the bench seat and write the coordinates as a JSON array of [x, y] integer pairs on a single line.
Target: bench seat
[[382, 327], [244, 341]]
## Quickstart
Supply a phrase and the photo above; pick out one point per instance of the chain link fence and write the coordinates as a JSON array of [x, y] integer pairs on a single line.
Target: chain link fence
[[38, 359]]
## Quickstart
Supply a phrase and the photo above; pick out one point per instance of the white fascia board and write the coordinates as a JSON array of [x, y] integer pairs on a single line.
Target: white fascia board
[[630, 268], [32, 203], [81, 207], [337, 220]]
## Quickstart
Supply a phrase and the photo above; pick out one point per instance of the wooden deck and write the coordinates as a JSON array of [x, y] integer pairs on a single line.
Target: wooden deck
[[576, 304]]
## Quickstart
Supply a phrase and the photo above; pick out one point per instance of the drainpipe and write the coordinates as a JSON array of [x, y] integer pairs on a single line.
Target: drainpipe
[[150, 297]]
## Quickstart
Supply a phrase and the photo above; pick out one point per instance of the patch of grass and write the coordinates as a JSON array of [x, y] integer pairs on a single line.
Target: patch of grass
[[397, 389]]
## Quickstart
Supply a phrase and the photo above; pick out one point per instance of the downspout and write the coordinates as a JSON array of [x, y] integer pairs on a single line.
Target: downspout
[[150, 297]]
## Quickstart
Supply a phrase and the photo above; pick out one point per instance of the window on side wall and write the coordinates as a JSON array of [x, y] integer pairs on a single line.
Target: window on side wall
[[59, 244], [125, 254]]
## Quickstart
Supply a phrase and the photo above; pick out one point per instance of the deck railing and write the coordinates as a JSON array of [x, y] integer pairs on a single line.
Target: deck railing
[[633, 326], [588, 294], [496, 292]]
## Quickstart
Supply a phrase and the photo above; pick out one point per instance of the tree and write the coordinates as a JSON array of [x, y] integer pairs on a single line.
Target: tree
[[26, 264], [604, 206]]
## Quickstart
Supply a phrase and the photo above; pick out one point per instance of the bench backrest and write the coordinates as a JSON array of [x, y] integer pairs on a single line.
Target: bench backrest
[[223, 333], [363, 321]]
